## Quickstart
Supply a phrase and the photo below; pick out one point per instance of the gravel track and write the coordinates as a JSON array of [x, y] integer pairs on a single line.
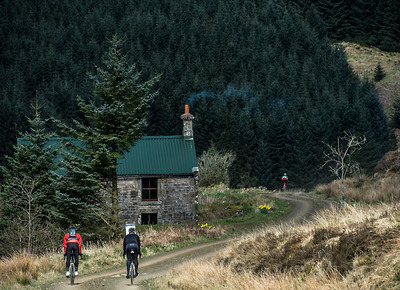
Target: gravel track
[[304, 208]]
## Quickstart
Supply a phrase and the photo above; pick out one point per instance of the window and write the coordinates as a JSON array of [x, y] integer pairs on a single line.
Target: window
[[149, 218], [149, 189]]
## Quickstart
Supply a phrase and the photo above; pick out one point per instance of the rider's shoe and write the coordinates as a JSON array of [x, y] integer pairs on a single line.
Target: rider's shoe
[[67, 274], [136, 274], [76, 273], [128, 276]]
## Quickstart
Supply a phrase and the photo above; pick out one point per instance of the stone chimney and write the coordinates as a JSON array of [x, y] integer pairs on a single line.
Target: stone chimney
[[187, 124]]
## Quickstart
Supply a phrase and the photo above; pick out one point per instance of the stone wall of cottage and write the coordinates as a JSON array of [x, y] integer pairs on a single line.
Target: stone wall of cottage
[[177, 200]]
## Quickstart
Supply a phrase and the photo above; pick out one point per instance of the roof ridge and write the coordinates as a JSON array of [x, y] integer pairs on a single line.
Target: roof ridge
[[163, 137]]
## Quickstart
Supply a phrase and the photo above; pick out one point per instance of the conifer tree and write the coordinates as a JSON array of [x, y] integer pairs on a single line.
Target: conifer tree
[[395, 114], [78, 198], [379, 73], [116, 116], [28, 195]]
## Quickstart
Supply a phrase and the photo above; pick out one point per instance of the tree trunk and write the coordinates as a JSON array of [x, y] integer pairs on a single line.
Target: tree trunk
[[29, 225], [114, 201]]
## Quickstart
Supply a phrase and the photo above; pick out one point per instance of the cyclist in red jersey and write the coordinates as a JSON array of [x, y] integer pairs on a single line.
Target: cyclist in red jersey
[[72, 246], [285, 180]]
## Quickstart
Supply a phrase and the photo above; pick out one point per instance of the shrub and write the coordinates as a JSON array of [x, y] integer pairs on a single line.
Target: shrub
[[213, 167]]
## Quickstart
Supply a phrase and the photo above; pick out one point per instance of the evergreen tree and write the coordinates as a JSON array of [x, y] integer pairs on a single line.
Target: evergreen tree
[[116, 116], [379, 73], [28, 195], [395, 114], [78, 197], [262, 166]]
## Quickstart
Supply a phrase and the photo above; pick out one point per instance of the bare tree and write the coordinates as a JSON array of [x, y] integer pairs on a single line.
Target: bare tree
[[25, 197], [339, 156]]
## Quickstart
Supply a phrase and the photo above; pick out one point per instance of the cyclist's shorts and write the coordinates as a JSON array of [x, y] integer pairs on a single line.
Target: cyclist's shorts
[[132, 246]]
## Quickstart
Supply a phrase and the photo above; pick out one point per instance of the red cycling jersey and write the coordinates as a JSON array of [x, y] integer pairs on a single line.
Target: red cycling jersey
[[67, 240]]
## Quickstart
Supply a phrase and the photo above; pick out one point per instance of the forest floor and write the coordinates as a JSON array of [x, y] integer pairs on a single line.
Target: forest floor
[[304, 208]]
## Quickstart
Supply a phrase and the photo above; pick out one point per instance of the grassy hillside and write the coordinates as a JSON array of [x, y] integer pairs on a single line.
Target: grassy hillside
[[364, 60], [356, 247]]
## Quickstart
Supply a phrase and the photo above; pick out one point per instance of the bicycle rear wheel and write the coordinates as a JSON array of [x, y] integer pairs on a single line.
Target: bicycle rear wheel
[[72, 272], [132, 271]]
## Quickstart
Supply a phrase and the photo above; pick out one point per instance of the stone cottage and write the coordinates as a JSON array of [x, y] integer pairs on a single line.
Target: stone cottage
[[156, 179]]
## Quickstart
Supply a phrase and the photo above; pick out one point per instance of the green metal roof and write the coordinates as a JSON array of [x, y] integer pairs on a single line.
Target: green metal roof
[[151, 155], [159, 155]]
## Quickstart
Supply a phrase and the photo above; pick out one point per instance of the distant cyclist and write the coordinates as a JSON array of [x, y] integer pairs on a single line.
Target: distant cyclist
[[72, 246], [132, 242], [285, 180]]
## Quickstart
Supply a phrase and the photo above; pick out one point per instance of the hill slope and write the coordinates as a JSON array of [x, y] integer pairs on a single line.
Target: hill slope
[[352, 248], [364, 61]]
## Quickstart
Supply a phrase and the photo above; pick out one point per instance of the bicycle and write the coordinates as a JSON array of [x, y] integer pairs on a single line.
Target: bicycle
[[284, 187], [72, 269], [132, 268]]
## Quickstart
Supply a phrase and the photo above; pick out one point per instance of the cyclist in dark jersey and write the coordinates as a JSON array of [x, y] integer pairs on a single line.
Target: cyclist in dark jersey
[[132, 241]]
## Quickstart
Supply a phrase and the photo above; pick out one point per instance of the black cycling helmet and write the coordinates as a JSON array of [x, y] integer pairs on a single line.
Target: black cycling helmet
[[132, 230]]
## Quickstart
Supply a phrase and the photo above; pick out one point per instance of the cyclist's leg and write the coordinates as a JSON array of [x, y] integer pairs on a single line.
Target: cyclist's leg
[[136, 263], [128, 262], [75, 247], [135, 259], [68, 257]]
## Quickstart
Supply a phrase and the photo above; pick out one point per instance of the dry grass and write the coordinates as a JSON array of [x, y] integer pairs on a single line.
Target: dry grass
[[352, 248], [24, 269], [364, 189], [27, 269], [99, 257], [169, 237], [364, 60]]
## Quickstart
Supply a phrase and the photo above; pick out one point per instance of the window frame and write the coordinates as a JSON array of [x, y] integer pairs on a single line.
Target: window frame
[[147, 187], [150, 217]]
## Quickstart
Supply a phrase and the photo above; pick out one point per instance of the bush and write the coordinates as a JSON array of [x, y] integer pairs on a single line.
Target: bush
[[213, 167]]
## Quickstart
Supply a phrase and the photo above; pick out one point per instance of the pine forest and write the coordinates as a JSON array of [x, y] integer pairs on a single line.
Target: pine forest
[[264, 79]]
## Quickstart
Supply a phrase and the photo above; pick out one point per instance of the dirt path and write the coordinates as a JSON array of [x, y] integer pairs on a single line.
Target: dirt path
[[303, 209]]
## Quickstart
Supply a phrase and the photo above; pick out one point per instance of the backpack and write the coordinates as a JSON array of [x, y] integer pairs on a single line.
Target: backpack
[[72, 234]]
